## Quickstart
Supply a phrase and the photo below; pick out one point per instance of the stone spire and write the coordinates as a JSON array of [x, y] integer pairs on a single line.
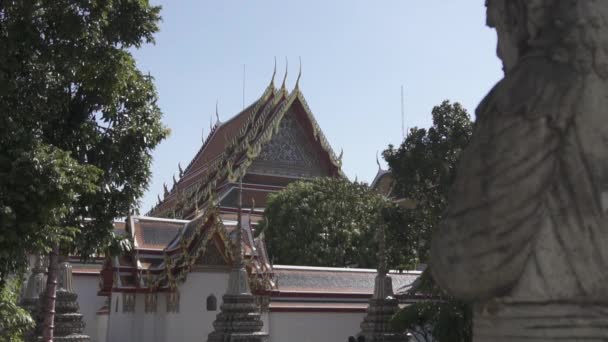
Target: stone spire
[[383, 305], [239, 316], [69, 324], [34, 288], [36, 283]]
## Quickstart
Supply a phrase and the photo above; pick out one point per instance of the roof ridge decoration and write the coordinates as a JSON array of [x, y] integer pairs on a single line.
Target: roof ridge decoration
[[283, 87], [274, 72], [267, 92], [220, 164], [247, 144], [299, 74], [217, 114], [189, 252]]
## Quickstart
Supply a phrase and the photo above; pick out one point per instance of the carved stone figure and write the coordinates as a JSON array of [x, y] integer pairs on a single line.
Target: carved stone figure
[[525, 234]]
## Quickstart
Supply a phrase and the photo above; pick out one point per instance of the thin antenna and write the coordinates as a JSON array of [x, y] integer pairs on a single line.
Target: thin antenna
[[402, 115], [244, 68]]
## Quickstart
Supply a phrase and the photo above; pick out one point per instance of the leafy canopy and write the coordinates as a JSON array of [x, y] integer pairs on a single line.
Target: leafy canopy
[[327, 222], [78, 122], [424, 168], [15, 321]]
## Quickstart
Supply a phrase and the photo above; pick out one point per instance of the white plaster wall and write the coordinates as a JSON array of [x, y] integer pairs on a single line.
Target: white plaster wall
[[121, 325], [139, 319], [193, 322], [159, 331], [102, 328], [313, 327], [86, 287]]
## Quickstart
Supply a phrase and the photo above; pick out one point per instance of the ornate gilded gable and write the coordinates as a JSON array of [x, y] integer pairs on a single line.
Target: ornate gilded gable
[[211, 257], [288, 153]]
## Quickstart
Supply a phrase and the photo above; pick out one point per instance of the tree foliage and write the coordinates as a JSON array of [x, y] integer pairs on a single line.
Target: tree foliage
[[328, 222], [424, 168], [78, 122], [439, 318], [15, 321]]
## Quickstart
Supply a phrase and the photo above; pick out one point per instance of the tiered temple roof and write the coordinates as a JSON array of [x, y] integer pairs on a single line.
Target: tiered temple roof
[[271, 143]]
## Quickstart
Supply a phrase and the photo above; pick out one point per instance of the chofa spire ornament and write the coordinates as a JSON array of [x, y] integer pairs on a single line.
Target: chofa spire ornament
[[283, 86], [524, 233], [378, 162], [217, 113], [274, 71], [299, 74]]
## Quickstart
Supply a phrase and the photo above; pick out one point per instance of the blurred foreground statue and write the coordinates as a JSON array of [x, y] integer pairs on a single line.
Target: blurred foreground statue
[[525, 234]]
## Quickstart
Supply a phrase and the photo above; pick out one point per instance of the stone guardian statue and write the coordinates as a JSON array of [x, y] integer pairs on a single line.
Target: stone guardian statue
[[525, 235]]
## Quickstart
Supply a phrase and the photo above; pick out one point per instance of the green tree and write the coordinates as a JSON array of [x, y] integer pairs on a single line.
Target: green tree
[[15, 321], [78, 122], [424, 168], [327, 222]]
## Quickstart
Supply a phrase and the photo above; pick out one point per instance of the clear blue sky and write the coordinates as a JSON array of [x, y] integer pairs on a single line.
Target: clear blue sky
[[355, 56]]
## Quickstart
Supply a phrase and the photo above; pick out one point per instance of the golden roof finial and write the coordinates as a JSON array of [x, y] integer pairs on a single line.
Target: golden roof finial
[[217, 114], [285, 77], [274, 72], [299, 73]]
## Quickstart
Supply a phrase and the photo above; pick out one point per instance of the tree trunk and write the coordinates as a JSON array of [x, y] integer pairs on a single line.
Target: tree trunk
[[51, 295]]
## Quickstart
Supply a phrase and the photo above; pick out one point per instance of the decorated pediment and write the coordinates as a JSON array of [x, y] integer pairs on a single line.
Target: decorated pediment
[[211, 257], [289, 152]]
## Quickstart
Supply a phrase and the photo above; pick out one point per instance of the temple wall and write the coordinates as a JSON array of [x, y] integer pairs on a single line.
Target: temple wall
[[86, 287], [195, 321], [313, 326], [121, 324]]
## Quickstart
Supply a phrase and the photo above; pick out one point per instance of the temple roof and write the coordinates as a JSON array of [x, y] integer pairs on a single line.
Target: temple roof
[[233, 145], [331, 280]]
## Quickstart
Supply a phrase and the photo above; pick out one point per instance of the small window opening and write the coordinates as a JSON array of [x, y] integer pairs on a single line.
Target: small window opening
[[211, 303], [116, 310]]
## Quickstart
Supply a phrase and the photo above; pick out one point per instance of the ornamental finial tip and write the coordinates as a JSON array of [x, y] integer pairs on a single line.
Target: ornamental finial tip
[[217, 113], [285, 76], [274, 72], [299, 73]]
